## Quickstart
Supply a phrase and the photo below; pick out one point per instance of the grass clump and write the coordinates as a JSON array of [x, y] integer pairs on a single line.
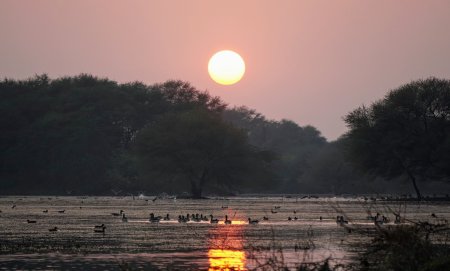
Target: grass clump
[[406, 248]]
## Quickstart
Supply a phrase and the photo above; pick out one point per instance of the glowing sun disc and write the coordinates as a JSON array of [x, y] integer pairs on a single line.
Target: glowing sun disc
[[226, 67]]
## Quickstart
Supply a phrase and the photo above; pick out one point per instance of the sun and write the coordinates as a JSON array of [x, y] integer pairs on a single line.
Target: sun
[[226, 67]]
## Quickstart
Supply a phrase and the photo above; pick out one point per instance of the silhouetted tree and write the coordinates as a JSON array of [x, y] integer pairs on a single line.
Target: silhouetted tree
[[70, 133], [406, 133], [183, 96], [293, 145], [197, 147], [76, 133]]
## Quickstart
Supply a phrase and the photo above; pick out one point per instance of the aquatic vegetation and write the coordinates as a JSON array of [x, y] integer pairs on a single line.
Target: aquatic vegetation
[[312, 242], [408, 247]]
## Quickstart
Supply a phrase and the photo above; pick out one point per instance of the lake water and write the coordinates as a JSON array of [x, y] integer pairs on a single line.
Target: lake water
[[142, 245]]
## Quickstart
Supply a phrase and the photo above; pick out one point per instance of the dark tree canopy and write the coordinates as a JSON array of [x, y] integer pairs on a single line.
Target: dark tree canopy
[[184, 96], [200, 149], [77, 134], [65, 134], [406, 133], [88, 135], [293, 145]]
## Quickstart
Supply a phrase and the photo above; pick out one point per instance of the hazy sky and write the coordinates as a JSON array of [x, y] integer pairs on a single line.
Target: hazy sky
[[309, 61]]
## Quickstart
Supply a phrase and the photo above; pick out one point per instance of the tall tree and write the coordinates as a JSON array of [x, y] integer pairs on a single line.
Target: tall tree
[[198, 148], [407, 133]]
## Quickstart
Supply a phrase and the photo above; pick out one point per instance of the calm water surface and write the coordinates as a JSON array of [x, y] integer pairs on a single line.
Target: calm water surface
[[189, 246]]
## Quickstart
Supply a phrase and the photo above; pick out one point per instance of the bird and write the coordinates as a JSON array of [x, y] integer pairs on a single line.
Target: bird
[[273, 212], [154, 199], [195, 218], [166, 218], [213, 220], [14, 206], [31, 221], [295, 218], [154, 219], [227, 222], [124, 218], [265, 218], [61, 211], [53, 229], [45, 211], [340, 220], [289, 218], [252, 222], [100, 229], [433, 215], [117, 214]]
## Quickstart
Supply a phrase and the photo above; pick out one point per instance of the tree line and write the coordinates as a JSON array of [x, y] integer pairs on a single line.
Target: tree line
[[89, 135]]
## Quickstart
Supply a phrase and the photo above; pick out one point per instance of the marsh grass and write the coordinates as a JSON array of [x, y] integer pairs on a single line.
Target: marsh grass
[[408, 246], [273, 258]]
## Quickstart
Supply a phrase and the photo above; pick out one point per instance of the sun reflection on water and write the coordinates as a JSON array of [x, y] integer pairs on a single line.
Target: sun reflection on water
[[226, 260], [235, 222], [226, 250]]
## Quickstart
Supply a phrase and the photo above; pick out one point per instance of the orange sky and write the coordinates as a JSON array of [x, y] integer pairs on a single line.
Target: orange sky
[[309, 61]]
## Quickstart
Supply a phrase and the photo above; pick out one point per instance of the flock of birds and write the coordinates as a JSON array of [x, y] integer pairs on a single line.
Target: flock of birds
[[184, 219], [156, 219], [377, 219], [181, 218]]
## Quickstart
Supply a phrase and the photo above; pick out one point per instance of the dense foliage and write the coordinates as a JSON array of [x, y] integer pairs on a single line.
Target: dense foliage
[[293, 145], [198, 148], [70, 133], [405, 134], [88, 135]]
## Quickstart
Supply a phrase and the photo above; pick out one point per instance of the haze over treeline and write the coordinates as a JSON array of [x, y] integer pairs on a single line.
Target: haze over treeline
[[89, 135]]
